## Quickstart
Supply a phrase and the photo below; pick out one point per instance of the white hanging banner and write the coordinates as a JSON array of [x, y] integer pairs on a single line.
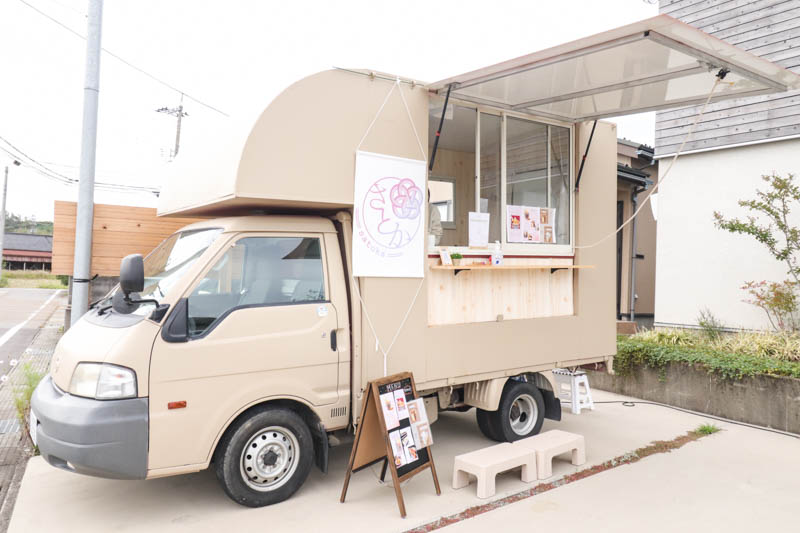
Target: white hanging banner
[[389, 216]]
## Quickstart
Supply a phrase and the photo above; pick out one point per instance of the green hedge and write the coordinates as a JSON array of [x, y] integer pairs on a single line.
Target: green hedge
[[633, 353]]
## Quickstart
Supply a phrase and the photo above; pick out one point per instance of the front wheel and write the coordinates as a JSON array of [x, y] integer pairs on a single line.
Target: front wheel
[[520, 413], [265, 457]]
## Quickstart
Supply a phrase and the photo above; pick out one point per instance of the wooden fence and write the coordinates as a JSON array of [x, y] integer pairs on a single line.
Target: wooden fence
[[116, 232]]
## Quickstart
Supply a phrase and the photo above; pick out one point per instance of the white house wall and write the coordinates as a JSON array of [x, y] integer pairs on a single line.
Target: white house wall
[[699, 266]]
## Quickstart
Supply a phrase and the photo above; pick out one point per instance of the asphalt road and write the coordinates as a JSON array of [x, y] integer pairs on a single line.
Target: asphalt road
[[22, 312]]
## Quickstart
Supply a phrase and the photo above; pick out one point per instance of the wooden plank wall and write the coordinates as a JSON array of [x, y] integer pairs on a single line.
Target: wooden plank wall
[[461, 167], [766, 28], [486, 296], [117, 231]]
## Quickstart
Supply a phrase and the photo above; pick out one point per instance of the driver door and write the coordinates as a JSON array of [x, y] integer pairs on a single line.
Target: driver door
[[260, 321]]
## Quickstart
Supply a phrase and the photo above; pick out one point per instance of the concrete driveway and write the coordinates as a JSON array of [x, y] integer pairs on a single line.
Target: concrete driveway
[[22, 312], [736, 480]]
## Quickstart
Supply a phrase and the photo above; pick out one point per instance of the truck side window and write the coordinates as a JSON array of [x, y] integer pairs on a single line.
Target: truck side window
[[258, 271]]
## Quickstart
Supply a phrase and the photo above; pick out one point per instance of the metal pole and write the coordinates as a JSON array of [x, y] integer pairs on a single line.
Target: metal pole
[[83, 225], [3, 220], [632, 302]]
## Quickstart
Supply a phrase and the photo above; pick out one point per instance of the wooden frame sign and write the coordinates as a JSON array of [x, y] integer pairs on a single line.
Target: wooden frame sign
[[385, 434]]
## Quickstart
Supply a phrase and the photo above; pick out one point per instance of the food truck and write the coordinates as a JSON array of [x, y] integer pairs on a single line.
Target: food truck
[[243, 341]]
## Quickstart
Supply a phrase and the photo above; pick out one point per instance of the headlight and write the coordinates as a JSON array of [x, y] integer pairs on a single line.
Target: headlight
[[103, 381]]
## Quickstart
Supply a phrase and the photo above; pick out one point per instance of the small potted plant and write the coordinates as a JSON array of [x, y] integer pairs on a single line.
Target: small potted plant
[[457, 258]]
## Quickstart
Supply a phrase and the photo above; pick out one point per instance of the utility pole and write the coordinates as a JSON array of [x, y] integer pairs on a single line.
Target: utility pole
[[83, 224], [3, 215], [176, 112], [3, 220]]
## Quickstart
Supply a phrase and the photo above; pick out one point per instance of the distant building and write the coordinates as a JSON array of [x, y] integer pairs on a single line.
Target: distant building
[[701, 268], [636, 243], [24, 251]]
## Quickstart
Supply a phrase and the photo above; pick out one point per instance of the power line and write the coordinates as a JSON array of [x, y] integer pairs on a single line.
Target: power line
[[126, 62], [51, 174]]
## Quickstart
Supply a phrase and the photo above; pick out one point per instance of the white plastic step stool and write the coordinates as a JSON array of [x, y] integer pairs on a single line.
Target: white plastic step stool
[[573, 387], [486, 463], [551, 443]]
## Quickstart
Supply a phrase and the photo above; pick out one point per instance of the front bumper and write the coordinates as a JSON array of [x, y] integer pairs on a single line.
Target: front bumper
[[104, 438]]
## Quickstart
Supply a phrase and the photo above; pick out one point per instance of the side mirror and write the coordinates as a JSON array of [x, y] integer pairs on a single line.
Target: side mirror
[[176, 328], [131, 274]]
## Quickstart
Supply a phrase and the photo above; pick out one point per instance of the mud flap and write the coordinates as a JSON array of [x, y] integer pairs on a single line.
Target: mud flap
[[552, 405], [320, 437]]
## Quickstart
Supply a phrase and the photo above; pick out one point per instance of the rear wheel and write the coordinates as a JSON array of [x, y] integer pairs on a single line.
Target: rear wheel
[[520, 413], [485, 424], [264, 458]]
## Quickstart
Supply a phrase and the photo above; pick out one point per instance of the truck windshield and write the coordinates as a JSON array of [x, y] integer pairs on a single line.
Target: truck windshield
[[165, 265]]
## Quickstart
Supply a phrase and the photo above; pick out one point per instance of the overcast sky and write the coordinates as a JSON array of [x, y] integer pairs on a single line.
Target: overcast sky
[[237, 55]]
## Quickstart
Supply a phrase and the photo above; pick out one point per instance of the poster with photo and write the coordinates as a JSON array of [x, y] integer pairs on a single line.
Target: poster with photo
[[548, 234], [422, 434], [400, 404], [407, 441], [389, 410], [416, 411], [529, 224], [514, 226], [397, 448]]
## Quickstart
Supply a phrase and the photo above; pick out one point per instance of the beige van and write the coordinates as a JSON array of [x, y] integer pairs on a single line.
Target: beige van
[[243, 341]]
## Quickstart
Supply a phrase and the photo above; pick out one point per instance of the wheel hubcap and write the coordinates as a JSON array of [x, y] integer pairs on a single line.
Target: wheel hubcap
[[269, 459], [523, 414]]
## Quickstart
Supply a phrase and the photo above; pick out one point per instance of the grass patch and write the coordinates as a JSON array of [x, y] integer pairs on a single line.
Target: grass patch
[[28, 274], [23, 390], [706, 429], [645, 351], [32, 279]]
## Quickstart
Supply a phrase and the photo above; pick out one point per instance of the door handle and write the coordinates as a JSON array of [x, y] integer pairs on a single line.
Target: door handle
[[333, 340]]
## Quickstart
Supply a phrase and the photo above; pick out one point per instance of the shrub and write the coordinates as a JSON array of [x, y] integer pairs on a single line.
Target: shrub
[[635, 352], [710, 325], [668, 337], [3, 282]]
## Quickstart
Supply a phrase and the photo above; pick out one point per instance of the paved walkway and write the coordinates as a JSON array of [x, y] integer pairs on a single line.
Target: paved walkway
[[740, 478], [31, 320]]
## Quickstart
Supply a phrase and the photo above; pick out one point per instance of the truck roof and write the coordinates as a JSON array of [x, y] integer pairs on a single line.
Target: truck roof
[[280, 223]]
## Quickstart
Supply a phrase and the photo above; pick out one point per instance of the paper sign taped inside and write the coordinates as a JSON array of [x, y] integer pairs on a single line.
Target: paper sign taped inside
[[479, 230]]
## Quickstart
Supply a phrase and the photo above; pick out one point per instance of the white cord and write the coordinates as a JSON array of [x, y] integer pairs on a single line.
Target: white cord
[[408, 113], [663, 178], [372, 327]]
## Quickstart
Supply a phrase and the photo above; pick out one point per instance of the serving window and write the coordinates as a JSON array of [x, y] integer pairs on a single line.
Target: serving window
[[518, 170]]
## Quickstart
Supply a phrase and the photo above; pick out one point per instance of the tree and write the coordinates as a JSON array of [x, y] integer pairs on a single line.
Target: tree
[[772, 229], [18, 224]]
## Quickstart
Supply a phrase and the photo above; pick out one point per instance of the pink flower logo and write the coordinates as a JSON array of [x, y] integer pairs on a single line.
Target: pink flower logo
[[391, 214]]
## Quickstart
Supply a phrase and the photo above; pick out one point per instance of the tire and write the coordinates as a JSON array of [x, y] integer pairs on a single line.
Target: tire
[[485, 424], [283, 453], [520, 413]]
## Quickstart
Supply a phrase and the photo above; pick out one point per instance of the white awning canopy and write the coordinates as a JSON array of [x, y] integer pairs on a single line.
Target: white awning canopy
[[657, 63]]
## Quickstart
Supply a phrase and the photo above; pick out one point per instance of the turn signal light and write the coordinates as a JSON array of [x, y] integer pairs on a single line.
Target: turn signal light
[[176, 405]]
